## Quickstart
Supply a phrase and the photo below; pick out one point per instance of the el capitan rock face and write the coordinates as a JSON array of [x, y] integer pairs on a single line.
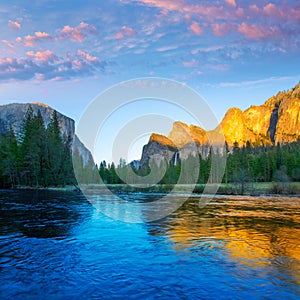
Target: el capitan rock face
[[275, 121], [13, 116]]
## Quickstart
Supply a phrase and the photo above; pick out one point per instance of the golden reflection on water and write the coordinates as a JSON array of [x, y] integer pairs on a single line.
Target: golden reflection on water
[[253, 232]]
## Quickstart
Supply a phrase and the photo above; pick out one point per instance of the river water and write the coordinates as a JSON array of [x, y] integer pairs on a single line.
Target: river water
[[56, 245]]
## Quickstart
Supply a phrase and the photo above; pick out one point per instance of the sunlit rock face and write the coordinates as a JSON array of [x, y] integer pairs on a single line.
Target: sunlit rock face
[[13, 116], [288, 126], [159, 148], [182, 134], [275, 121], [234, 127]]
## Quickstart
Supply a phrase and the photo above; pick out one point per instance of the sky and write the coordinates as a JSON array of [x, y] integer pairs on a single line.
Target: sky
[[65, 53]]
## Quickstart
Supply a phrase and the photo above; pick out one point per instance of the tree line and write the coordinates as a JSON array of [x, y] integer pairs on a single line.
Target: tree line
[[278, 163], [38, 156]]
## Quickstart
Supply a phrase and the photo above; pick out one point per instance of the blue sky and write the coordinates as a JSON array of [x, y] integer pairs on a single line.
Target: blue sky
[[64, 53]]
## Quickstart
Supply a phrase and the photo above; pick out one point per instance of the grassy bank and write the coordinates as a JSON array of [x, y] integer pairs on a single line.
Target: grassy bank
[[254, 189], [250, 189]]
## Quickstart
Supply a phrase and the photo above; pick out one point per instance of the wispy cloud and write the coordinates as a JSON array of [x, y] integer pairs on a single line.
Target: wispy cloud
[[250, 21], [14, 24], [255, 31], [195, 27], [222, 29], [258, 82], [8, 43], [167, 48], [231, 2], [192, 63], [128, 30], [87, 56]]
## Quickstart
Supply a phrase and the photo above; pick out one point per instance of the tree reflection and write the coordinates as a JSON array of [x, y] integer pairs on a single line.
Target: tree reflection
[[42, 214]]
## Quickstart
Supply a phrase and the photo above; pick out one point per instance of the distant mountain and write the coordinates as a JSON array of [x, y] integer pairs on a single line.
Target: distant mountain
[[276, 121], [13, 115]]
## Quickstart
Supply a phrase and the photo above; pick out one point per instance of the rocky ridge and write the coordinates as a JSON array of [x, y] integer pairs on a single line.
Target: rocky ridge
[[275, 121], [13, 116]]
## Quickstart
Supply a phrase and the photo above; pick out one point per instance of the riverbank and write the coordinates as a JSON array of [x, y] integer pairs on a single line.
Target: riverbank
[[251, 189]]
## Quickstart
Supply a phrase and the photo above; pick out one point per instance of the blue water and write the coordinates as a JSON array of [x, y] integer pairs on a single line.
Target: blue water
[[56, 245]]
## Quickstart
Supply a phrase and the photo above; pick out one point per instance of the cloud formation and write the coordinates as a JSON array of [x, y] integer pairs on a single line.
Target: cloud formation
[[31, 40], [195, 27], [46, 65], [167, 32], [14, 24], [78, 33], [69, 33], [43, 56], [222, 29], [43, 35], [231, 2], [254, 31], [250, 21]]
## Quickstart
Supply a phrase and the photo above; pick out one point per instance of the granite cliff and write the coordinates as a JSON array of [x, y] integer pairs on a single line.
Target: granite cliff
[[275, 121], [13, 115]]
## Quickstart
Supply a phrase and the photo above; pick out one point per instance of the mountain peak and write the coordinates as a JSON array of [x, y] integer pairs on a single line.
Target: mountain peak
[[13, 116], [275, 121], [40, 104], [161, 139]]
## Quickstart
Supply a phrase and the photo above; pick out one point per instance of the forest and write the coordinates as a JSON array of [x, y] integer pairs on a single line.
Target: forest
[[244, 165], [39, 157]]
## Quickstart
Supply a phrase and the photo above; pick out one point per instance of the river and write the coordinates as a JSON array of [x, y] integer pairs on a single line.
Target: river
[[56, 245]]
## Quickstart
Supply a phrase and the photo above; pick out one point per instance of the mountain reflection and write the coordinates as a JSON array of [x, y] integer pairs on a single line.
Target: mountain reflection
[[252, 232]]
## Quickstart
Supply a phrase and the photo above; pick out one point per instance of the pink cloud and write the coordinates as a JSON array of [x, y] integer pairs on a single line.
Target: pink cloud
[[128, 30], [254, 8], [44, 56], [77, 64], [164, 4], [192, 63], [231, 2], [275, 12], [46, 65], [196, 28], [255, 31], [8, 43], [74, 34], [6, 60], [27, 41], [206, 11], [14, 24], [78, 33], [30, 40], [87, 56], [269, 14], [222, 29], [119, 35], [281, 13], [88, 28], [43, 35]]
